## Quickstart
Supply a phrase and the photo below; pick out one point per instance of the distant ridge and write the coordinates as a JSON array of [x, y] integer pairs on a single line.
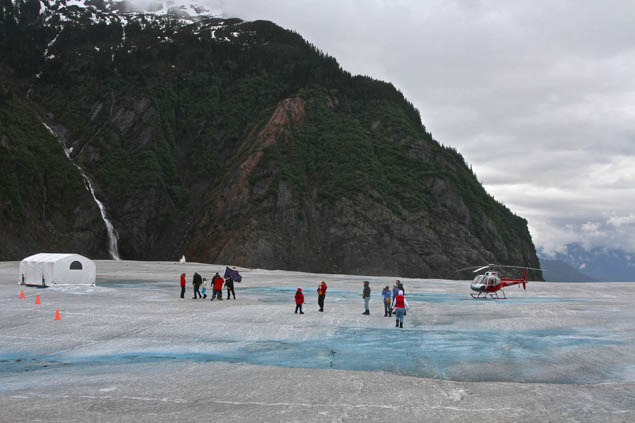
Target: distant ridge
[[560, 271], [600, 264]]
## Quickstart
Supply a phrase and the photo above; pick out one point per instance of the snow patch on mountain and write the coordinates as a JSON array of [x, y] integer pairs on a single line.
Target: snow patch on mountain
[[180, 8], [170, 15]]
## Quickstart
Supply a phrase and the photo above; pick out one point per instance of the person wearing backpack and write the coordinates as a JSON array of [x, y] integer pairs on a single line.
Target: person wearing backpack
[[386, 294], [229, 285], [321, 291]]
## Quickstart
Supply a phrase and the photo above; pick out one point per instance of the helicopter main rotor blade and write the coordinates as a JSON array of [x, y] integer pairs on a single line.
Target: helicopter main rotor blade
[[481, 268], [519, 267], [468, 268]]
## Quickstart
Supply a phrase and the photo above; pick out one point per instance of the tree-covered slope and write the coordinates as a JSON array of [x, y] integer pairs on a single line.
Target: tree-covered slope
[[44, 204], [239, 142]]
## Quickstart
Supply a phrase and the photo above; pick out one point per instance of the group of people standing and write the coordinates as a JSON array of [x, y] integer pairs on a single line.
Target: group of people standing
[[299, 298], [200, 286], [394, 300]]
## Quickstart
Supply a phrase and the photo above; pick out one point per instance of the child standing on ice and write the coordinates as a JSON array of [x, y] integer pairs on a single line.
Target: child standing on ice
[[299, 300], [204, 288]]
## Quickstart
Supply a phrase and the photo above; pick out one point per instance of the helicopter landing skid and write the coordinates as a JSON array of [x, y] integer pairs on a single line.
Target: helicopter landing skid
[[493, 295]]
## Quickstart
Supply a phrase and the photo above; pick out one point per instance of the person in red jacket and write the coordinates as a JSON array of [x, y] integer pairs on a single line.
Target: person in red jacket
[[182, 285], [400, 308], [217, 285], [299, 300], [321, 291]]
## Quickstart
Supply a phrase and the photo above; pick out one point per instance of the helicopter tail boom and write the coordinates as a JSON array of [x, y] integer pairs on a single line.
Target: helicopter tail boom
[[523, 281]]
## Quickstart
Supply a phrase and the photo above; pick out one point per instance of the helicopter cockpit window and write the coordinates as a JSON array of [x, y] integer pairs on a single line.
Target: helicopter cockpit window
[[491, 281]]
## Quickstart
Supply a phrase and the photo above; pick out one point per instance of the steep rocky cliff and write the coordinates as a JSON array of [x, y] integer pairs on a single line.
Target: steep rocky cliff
[[229, 142]]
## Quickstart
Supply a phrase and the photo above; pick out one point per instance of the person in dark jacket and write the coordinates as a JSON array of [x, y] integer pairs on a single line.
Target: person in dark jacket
[[182, 285], [299, 300], [217, 286], [386, 293], [321, 291], [229, 285], [197, 280], [366, 297]]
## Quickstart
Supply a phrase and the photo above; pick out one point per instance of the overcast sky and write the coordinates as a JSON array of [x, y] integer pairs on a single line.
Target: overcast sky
[[538, 96]]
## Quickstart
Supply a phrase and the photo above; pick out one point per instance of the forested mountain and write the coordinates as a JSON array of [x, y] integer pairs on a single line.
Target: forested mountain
[[227, 141]]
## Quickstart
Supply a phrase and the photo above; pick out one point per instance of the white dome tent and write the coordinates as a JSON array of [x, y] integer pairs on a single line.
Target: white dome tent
[[45, 269]]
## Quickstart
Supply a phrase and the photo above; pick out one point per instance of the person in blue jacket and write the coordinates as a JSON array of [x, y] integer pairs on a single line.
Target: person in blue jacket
[[395, 292], [386, 294]]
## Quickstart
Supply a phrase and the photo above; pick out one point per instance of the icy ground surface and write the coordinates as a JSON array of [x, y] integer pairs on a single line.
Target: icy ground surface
[[130, 349]]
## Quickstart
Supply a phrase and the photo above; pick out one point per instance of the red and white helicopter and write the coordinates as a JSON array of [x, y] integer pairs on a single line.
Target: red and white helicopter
[[492, 281]]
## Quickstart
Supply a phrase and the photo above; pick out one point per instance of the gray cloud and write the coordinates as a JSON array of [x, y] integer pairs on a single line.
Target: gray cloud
[[538, 96]]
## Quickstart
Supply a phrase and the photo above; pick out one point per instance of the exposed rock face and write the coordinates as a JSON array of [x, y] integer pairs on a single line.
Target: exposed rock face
[[289, 112], [238, 143], [295, 230]]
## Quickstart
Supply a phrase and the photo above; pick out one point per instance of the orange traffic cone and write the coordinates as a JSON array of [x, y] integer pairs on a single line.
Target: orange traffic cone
[[57, 315], [37, 299], [21, 294]]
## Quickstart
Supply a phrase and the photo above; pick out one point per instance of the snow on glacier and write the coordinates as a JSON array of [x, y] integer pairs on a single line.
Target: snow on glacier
[[550, 333]]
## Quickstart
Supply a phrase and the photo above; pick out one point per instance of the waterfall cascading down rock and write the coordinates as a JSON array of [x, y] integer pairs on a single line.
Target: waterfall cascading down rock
[[113, 236]]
